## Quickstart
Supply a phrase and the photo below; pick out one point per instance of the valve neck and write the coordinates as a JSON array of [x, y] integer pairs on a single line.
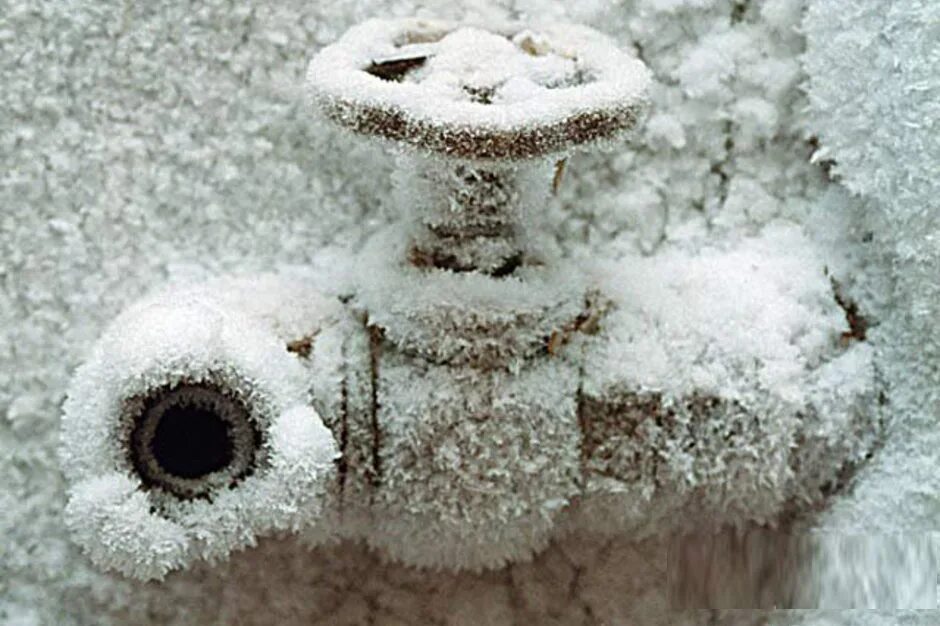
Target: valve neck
[[471, 216]]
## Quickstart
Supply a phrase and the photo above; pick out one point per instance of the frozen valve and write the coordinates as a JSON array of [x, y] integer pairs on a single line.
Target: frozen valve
[[473, 390]]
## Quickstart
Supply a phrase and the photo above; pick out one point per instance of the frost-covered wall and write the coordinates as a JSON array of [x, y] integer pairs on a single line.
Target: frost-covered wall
[[142, 143], [874, 95]]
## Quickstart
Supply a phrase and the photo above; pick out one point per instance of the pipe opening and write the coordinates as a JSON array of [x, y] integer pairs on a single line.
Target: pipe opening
[[191, 442], [192, 439]]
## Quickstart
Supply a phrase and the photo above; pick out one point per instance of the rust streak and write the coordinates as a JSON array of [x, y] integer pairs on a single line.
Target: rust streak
[[376, 337]]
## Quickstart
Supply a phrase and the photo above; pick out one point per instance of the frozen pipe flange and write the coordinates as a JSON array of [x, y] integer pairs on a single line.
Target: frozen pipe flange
[[476, 466], [189, 431]]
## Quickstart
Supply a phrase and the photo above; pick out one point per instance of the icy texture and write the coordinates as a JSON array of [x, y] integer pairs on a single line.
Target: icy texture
[[148, 142], [471, 59], [849, 571], [884, 50], [874, 96], [194, 336]]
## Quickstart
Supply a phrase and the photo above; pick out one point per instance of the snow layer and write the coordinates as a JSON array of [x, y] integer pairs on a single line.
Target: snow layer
[[148, 142]]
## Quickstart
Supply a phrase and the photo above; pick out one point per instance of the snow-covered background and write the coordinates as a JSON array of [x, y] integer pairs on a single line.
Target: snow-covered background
[[142, 143]]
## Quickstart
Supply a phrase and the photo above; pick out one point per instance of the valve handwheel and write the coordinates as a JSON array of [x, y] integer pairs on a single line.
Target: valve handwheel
[[506, 93]]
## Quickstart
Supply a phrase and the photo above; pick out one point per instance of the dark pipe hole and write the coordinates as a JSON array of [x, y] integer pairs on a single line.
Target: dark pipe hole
[[191, 442], [191, 439]]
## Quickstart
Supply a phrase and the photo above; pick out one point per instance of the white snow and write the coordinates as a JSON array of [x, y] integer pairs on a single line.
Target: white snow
[[763, 305]]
